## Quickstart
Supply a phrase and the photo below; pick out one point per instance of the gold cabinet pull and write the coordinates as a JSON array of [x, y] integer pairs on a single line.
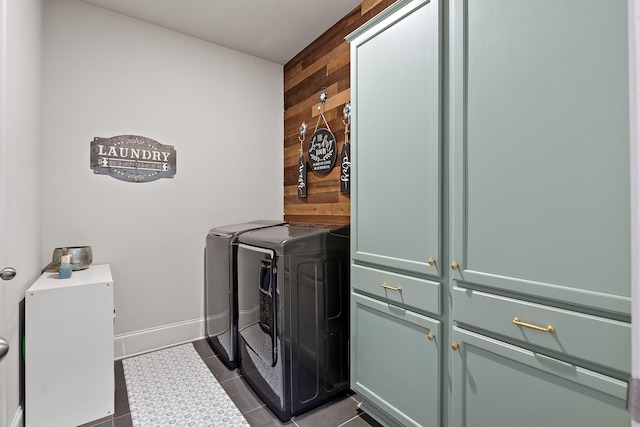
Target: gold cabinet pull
[[454, 345], [431, 336], [391, 288], [454, 265], [431, 261], [517, 321]]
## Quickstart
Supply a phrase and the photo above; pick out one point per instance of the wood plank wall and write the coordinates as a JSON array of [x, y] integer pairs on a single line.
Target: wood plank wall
[[321, 66]]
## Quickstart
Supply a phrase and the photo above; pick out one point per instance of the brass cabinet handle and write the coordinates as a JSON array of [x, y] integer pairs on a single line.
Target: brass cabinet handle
[[391, 288], [454, 345], [431, 260], [454, 265], [517, 321], [431, 336]]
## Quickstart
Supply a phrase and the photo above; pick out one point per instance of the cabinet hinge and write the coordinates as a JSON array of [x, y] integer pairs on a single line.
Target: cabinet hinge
[[633, 399]]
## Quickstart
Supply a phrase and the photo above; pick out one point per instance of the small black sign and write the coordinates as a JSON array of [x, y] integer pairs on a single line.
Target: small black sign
[[345, 169], [322, 151], [302, 176], [132, 158]]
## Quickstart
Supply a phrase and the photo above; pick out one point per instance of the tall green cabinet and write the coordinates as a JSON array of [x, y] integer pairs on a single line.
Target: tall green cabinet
[[490, 214], [396, 362]]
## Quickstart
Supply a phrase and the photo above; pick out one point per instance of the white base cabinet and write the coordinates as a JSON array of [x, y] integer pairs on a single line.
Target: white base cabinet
[[69, 378]]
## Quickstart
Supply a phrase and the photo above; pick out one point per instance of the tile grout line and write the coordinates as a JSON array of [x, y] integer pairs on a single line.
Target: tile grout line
[[120, 416], [349, 420]]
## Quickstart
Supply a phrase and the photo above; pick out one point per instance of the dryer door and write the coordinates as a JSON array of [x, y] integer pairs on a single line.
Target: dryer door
[[257, 301]]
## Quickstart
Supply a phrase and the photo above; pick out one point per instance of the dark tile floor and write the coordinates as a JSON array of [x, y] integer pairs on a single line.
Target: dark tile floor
[[342, 412]]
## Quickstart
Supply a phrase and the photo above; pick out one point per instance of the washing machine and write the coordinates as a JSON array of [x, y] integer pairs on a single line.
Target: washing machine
[[221, 316], [293, 315]]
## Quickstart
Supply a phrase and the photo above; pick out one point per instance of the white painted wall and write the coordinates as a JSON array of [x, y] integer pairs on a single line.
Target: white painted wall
[[20, 171], [105, 75]]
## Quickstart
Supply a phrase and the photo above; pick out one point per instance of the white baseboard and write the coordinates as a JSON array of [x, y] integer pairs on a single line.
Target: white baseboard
[[18, 418], [144, 341]]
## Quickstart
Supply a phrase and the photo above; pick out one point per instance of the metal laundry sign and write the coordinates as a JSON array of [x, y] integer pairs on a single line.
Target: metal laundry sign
[[132, 158]]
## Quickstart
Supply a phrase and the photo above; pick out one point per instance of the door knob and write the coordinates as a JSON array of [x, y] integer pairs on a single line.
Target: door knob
[[4, 347], [8, 273]]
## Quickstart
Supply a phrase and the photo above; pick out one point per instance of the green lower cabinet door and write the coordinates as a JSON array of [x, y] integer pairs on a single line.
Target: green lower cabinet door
[[500, 385], [395, 362]]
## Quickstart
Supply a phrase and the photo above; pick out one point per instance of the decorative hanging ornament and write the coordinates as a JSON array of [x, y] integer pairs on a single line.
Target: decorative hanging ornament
[[322, 146], [302, 164], [345, 154]]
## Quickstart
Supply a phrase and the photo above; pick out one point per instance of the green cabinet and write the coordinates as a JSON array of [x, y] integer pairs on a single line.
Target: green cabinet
[[565, 333], [395, 362], [500, 385], [540, 226], [396, 121], [540, 148], [396, 213], [490, 213]]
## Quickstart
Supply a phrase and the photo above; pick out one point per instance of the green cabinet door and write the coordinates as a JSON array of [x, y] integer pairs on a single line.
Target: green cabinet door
[[396, 140], [539, 134], [395, 362], [565, 332], [499, 385]]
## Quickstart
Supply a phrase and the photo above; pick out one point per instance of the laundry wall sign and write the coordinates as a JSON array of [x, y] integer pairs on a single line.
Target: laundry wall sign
[[132, 158], [322, 151]]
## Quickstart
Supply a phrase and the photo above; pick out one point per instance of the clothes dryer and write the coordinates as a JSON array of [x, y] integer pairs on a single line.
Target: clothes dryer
[[293, 315], [221, 316]]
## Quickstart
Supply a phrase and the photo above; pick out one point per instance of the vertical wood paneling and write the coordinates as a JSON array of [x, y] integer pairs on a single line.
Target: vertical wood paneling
[[323, 65]]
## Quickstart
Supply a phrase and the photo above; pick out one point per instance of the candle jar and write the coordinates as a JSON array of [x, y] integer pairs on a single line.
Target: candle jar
[[65, 271], [65, 265]]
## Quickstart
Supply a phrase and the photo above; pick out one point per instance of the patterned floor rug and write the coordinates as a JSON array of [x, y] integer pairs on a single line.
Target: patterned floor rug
[[174, 387]]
